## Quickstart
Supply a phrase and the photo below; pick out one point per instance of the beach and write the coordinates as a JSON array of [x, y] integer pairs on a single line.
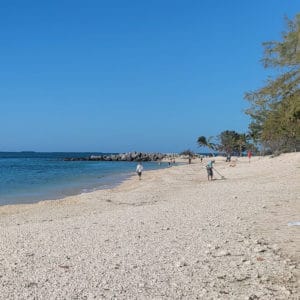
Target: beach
[[171, 235]]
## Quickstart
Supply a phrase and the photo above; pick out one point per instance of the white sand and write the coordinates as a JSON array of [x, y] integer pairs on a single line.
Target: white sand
[[172, 235]]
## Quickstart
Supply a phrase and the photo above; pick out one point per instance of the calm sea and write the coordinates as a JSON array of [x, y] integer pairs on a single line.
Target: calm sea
[[30, 177]]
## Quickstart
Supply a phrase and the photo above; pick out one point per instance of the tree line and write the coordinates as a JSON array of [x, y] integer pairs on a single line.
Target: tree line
[[274, 109], [228, 142]]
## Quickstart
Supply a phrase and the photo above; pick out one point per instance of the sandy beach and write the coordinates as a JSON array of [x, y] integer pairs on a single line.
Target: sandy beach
[[172, 235]]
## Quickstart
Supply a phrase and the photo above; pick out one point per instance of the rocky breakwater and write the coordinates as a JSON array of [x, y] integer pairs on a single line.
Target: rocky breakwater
[[130, 156]]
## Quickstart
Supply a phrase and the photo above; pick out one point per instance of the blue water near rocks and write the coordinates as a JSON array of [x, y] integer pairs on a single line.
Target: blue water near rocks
[[27, 177]]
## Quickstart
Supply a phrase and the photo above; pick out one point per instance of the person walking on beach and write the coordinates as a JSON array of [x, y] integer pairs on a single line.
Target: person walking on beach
[[249, 154], [209, 169], [139, 169]]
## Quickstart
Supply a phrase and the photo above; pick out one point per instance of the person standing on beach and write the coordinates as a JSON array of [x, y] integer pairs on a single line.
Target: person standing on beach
[[139, 169], [209, 169], [249, 154]]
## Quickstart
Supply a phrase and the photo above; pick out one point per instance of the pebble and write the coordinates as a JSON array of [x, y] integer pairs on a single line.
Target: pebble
[[181, 263], [259, 249], [261, 242], [222, 253], [275, 248], [241, 277]]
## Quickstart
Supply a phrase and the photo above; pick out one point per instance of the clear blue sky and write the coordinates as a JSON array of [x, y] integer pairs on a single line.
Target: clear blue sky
[[118, 76]]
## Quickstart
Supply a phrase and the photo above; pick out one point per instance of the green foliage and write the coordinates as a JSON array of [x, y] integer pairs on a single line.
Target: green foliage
[[204, 142], [188, 153], [233, 142], [229, 142], [275, 108]]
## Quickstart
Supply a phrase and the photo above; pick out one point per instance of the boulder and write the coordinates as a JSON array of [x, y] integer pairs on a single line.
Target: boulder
[[130, 156]]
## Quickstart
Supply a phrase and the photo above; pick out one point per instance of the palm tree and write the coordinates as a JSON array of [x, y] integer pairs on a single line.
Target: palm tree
[[203, 142]]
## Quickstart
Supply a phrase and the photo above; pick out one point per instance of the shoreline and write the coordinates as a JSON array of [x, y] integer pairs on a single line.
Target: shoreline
[[47, 193], [171, 235], [126, 179], [115, 181]]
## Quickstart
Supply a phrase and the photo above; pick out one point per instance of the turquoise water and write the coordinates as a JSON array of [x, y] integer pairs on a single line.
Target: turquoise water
[[31, 177]]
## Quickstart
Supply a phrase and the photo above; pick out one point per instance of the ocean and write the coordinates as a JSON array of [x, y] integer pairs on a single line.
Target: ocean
[[28, 177]]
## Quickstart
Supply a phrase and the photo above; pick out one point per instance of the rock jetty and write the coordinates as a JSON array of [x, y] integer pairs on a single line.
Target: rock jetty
[[130, 156]]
